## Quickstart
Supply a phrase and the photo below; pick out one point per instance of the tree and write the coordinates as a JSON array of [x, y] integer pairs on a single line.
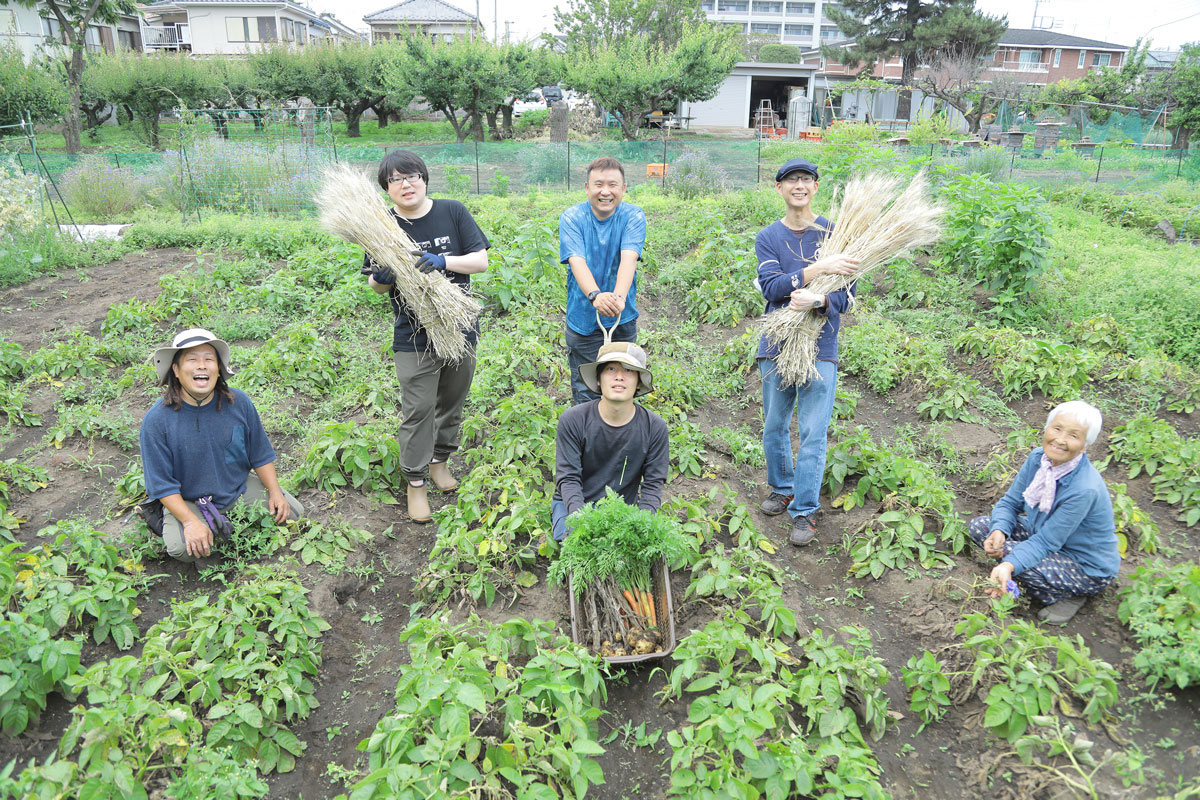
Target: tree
[[524, 68], [149, 84], [1179, 90], [954, 76], [28, 90], [637, 75], [591, 25], [73, 17], [464, 75], [885, 29]]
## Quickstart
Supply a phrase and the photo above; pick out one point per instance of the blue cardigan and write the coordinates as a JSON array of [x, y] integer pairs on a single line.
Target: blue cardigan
[[1079, 525]]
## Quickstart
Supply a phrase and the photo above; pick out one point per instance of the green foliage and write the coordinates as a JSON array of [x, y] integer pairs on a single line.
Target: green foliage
[[327, 545], [79, 355], [244, 660], [998, 234], [738, 740], [1161, 605], [79, 580], [28, 90], [485, 709], [611, 539], [255, 536], [780, 54], [524, 270], [297, 359], [1172, 462], [928, 687], [893, 540], [883, 474], [694, 174], [346, 454], [1023, 364], [1130, 519], [32, 665], [97, 191], [1032, 673], [150, 84], [92, 421], [930, 130]]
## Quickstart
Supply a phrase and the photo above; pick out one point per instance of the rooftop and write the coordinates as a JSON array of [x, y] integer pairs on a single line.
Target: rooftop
[[421, 11], [1037, 38]]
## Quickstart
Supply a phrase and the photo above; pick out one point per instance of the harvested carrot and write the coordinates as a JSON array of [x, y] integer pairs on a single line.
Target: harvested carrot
[[633, 604], [652, 615]]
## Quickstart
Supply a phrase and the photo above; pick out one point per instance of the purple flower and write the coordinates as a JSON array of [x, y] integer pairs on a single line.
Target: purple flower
[[1012, 588]]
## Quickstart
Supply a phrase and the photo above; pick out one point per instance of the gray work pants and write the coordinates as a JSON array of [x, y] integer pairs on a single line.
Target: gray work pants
[[255, 493], [432, 393]]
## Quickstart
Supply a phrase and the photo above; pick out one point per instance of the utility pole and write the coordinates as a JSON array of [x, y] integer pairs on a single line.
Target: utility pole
[[507, 27], [496, 21]]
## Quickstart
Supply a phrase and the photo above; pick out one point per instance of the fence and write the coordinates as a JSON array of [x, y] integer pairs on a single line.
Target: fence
[[272, 165]]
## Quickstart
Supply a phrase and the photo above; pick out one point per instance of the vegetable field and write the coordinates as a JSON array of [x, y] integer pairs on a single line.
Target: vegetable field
[[355, 654]]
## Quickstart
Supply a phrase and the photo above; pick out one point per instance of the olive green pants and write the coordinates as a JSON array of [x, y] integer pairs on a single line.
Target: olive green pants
[[432, 393]]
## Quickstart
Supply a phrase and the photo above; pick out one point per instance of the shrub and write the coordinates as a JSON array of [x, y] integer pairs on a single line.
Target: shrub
[[19, 194], [780, 54], [693, 174], [95, 189], [544, 163], [851, 133], [991, 160], [1161, 605], [930, 130]]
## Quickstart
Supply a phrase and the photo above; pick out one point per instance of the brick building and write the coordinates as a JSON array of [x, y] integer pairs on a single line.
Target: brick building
[[1038, 58]]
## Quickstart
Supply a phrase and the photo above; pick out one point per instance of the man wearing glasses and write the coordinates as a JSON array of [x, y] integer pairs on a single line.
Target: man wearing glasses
[[432, 391], [789, 258]]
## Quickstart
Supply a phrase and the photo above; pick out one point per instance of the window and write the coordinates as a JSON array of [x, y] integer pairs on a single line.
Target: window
[[52, 30], [250, 29], [798, 30], [1101, 59], [767, 7], [1029, 59], [1082, 55], [301, 33], [733, 6], [129, 40], [804, 9], [1057, 55], [708, 5], [825, 8], [288, 30], [765, 27], [8, 22], [741, 26], [830, 32]]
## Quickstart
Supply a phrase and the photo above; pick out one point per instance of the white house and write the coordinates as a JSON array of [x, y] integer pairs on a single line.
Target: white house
[[434, 18], [743, 93], [31, 29], [232, 27]]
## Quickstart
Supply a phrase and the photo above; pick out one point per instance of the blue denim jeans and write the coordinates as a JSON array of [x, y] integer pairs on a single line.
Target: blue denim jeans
[[558, 519], [584, 348], [813, 405]]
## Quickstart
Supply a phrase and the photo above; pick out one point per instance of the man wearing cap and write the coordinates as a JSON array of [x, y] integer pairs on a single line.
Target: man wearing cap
[[601, 240], [612, 442], [789, 258], [199, 445]]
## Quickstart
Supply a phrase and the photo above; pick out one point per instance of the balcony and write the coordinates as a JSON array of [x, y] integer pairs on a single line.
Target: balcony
[[1018, 66], [166, 36]]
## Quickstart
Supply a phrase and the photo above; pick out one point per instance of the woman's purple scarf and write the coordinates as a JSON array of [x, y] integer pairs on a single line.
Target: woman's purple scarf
[[1039, 493]]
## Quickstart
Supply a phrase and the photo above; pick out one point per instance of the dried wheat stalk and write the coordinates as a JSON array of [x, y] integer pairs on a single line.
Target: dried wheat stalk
[[874, 222], [352, 208]]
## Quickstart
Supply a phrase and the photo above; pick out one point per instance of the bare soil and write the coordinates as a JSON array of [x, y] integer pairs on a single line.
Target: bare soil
[[906, 613]]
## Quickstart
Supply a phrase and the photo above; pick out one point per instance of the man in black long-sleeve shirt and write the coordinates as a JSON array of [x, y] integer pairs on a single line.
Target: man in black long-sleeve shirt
[[610, 442]]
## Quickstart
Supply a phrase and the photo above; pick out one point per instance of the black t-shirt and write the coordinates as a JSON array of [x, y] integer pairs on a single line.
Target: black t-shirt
[[449, 230]]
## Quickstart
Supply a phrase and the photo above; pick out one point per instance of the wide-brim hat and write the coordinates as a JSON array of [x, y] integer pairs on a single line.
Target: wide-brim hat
[[165, 356], [797, 165], [626, 353]]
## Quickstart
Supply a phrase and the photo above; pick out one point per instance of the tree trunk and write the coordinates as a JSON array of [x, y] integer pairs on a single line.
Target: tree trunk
[[492, 128], [1182, 138], [630, 122], [353, 114], [92, 112], [506, 113], [477, 126], [904, 100], [72, 125], [382, 113], [459, 125]]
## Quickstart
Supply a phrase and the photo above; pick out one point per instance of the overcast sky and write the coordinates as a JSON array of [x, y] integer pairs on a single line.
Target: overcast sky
[[1170, 23]]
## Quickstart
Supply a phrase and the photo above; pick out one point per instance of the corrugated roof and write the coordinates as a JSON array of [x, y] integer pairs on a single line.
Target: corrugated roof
[[182, 3], [1033, 38], [421, 11]]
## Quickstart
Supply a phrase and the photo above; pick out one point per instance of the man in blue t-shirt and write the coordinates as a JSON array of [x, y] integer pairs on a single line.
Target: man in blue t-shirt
[[199, 444], [601, 240], [789, 258]]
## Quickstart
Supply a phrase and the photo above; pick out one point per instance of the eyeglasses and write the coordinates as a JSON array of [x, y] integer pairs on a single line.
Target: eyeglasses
[[801, 177], [398, 179]]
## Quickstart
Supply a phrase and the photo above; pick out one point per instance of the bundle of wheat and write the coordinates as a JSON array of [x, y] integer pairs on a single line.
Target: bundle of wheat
[[352, 208], [875, 223]]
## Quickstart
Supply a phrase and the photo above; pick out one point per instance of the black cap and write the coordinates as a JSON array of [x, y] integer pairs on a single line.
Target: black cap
[[797, 165]]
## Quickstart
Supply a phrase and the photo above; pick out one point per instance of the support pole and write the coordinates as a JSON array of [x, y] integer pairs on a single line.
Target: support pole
[[568, 185], [476, 166], [1179, 166], [1099, 164]]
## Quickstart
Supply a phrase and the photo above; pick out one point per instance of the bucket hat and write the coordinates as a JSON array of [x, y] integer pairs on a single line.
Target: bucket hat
[[797, 165], [164, 356], [626, 353]]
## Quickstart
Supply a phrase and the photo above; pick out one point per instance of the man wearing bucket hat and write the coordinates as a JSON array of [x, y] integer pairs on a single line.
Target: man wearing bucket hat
[[199, 444], [612, 442], [789, 258]]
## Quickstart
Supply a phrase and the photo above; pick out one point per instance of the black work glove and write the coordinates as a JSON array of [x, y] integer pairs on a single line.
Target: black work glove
[[428, 262], [380, 274]]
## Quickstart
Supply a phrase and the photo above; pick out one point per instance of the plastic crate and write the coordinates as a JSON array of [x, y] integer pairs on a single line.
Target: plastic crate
[[656, 170], [664, 609]]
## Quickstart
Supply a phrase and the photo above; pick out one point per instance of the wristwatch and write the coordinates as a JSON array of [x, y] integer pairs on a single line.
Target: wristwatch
[[818, 304], [593, 295]]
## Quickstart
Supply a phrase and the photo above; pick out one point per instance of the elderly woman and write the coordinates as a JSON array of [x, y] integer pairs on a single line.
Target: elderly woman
[[1053, 530]]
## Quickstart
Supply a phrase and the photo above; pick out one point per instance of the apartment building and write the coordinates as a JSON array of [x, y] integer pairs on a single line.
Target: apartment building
[[30, 29], [1038, 58], [235, 27], [800, 23]]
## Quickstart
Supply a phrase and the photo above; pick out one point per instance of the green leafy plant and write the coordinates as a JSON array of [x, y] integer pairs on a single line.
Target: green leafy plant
[[928, 687], [325, 545], [32, 665], [1172, 461], [893, 540], [1130, 519], [1161, 605], [346, 454]]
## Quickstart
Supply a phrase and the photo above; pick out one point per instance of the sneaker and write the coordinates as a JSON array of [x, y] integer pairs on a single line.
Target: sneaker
[[804, 530], [1060, 613], [775, 504]]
